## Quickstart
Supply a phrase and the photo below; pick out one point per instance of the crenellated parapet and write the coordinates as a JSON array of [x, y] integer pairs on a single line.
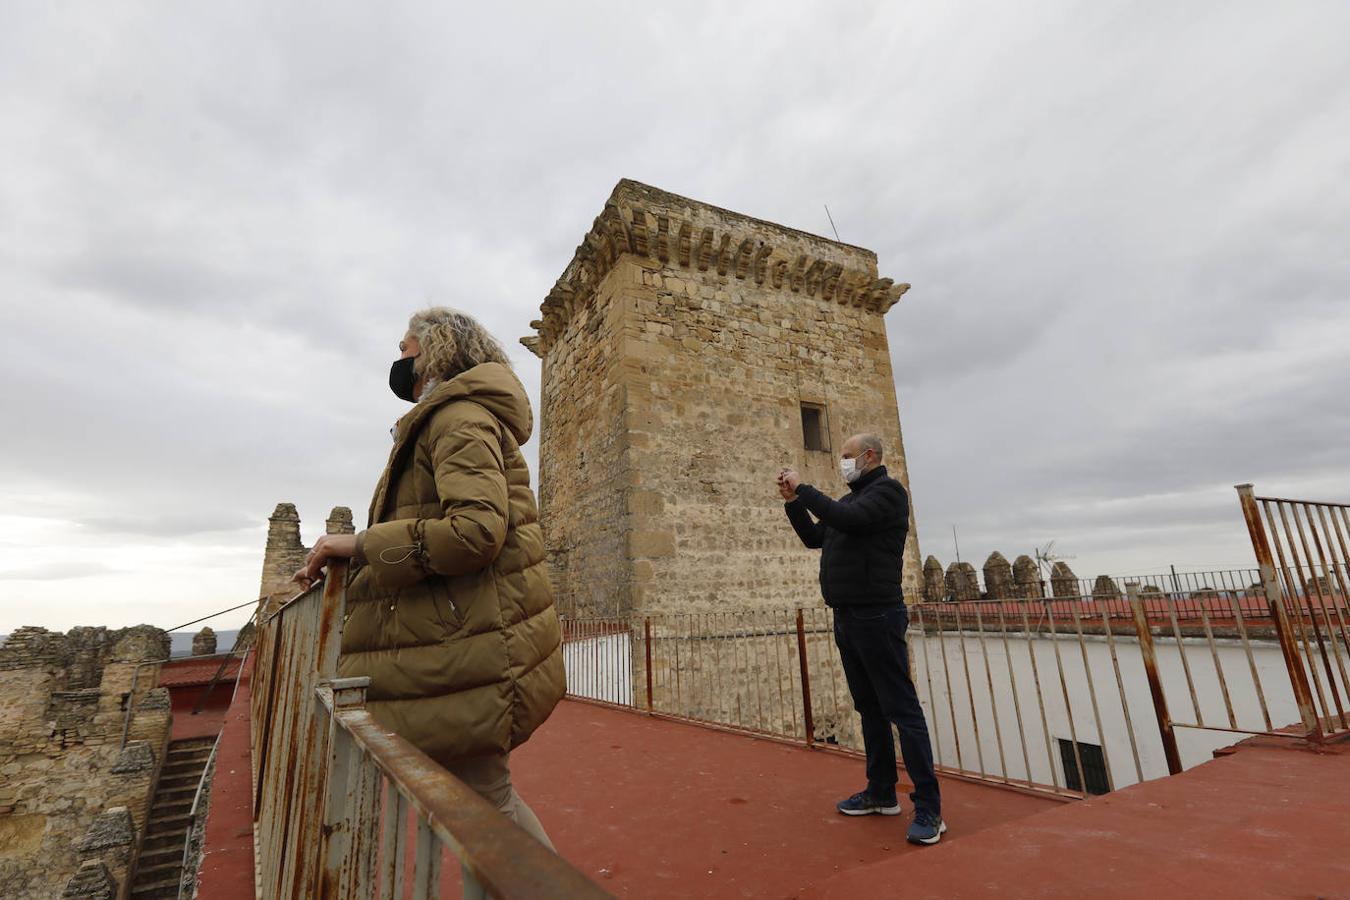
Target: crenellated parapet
[[672, 231]]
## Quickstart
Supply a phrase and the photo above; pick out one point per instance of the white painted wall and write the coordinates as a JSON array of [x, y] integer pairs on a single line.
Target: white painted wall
[[600, 668], [956, 705]]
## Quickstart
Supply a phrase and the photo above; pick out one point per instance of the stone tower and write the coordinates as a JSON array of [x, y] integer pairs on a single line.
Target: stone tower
[[688, 353], [285, 553]]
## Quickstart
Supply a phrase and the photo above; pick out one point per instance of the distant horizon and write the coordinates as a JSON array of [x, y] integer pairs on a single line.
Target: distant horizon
[[180, 641]]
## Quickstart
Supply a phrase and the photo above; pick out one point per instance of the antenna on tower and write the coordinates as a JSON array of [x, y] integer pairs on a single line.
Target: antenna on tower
[[831, 218], [1046, 557]]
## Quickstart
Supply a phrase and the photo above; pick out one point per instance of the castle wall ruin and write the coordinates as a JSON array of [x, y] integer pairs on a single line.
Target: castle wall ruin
[[73, 798]]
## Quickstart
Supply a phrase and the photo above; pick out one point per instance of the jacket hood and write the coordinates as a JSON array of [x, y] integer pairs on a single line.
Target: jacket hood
[[491, 385]]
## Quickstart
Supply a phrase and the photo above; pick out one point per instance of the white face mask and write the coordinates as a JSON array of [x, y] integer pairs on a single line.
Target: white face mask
[[849, 469]]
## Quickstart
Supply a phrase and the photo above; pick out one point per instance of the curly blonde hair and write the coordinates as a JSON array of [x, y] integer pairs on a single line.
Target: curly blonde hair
[[452, 342]]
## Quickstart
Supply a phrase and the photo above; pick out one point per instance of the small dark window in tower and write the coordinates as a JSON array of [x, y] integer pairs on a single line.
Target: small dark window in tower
[[1094, 767], [815, 430]]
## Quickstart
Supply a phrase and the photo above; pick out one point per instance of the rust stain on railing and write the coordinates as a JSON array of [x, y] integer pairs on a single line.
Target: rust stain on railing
[[1305, 575], [808, 720], [1150, 657], [333, 788]]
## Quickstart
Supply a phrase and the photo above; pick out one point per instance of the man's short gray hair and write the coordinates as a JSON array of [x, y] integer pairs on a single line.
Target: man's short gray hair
[[871, 442]]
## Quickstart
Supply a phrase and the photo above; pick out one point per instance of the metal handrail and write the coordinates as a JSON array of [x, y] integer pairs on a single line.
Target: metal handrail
[[498, 857], [334, 788], [192, 815]]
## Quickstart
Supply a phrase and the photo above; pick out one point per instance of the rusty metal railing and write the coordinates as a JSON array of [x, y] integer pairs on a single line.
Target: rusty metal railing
[[1028, 694], [345, 809], [1303, 550]]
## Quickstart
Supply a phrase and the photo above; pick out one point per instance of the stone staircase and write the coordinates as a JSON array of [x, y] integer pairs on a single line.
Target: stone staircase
[[160, 868]]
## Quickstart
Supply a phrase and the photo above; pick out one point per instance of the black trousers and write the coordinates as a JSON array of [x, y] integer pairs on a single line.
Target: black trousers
[[871, 641]]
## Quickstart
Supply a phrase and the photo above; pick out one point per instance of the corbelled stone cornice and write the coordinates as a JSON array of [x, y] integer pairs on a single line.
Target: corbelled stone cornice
[[650, 223]]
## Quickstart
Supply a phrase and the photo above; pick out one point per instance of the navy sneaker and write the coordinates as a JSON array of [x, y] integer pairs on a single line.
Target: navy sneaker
[[864, 804], [926, 828]]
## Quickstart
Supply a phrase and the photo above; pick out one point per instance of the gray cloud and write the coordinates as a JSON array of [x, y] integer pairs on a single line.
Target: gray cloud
[[1123, 229], [151, 282], [56, 571], [170, 525]]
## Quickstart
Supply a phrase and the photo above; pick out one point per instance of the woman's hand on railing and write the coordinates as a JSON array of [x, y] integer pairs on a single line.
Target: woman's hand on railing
[[329, 546]]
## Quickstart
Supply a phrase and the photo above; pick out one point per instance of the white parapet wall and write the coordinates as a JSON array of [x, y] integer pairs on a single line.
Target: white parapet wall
[[1054, 698], [600, 668]]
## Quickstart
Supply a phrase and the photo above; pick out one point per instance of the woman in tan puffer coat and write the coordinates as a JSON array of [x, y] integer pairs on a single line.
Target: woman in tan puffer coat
[[449, 609]]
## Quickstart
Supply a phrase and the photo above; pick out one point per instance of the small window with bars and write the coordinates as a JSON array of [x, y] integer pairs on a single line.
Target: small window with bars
[[1094, 767], [815, 427]]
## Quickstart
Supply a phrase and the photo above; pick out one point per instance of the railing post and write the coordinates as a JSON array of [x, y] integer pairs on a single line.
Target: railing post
[[807, 719], [332, 611], [342, 817], [1165, 730], [1298, 678], [427, 863], [264, 747], [647, 643]]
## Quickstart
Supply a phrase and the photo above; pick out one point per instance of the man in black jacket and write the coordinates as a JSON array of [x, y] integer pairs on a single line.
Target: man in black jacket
[[861, 537]]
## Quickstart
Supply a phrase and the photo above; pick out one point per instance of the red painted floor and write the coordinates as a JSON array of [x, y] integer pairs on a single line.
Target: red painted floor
[[227, 863], [653, 808], [1266, 821]]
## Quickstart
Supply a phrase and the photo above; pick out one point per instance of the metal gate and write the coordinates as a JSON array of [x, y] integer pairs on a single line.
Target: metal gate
[[1301, 547]]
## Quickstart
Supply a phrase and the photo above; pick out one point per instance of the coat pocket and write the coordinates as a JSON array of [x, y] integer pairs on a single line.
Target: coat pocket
[[449, 612]]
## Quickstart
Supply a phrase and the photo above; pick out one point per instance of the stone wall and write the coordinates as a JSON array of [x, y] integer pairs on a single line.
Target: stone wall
[[586, 476], [73, 800], [678, 349], [751, 678]]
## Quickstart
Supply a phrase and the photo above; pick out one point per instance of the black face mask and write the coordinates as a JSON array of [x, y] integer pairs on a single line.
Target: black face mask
[[401, 378]]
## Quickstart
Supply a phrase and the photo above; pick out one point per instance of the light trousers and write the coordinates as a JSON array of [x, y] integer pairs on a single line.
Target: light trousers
[[490, 777]]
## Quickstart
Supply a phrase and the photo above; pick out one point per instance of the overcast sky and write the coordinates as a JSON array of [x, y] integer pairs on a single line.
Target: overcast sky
[[1125, 224]]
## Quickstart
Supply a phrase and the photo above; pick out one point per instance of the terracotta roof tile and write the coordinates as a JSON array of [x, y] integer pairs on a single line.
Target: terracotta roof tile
[[189, 672]]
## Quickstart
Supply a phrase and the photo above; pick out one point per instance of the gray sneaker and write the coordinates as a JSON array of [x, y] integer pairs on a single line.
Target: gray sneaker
[[926, 828], [864, 804]]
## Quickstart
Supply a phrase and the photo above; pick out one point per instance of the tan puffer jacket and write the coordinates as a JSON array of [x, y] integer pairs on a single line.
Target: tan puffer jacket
[[449, 608]]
